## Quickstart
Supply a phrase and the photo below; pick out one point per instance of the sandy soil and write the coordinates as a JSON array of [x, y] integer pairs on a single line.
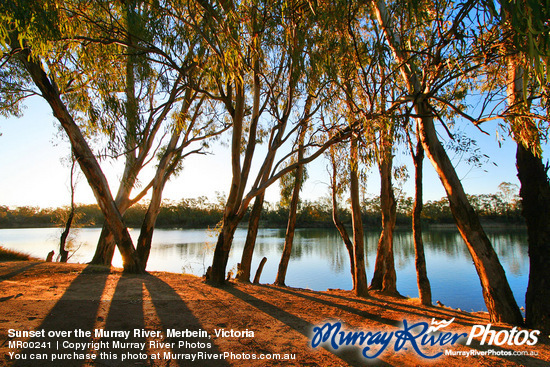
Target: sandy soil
[[63, 297]]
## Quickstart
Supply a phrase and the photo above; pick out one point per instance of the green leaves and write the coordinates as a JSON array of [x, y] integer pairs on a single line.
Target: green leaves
[[530, 30]]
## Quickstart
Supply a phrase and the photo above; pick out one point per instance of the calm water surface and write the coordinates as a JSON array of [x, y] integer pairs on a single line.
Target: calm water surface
[[319, 259]]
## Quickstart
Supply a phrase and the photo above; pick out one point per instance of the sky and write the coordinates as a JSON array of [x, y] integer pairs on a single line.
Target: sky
[[32, 171]]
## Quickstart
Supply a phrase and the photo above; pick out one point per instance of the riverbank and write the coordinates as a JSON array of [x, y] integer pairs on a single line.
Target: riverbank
[[52, 296]]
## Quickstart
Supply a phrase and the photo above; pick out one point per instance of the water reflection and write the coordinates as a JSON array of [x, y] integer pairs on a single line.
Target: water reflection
[[319, 259]]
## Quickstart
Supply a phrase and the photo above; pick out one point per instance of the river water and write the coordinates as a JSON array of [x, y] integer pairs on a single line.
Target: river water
[[319, 259]]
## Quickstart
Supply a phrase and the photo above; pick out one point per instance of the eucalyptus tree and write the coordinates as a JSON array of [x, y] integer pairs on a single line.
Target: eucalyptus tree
[[346, 162], [121, 98], [337, 188], [423, 282], [524, 43], [362, 80], [360, 276], [164, 65], [122, 79], [254, 49], [298, 176], [30, 32], [426, 74], [385, 277], [282, 95]]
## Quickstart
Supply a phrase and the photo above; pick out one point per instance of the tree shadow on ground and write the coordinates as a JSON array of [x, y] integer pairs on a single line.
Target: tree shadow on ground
[[173, 313], [379, 303], [302, 326], [76, 309], [17, 271], [125, 314], [520, 360]]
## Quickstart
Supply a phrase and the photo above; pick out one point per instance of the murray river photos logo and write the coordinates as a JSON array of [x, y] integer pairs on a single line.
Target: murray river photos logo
[[416, 336]]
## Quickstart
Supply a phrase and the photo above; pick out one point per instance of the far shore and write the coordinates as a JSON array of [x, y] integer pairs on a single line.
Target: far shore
[[488, 225]]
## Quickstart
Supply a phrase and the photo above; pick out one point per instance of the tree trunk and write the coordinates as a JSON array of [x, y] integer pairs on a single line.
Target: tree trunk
[[239, 175], [535, 200], [360, 276], [293, 210], [338, 223], [424, 288], [385, 278], [243, 273], [148, 226], [63, 253], [259, 270], [106, 244], [146, 233], [535, 195], [105, 248], [87, 161], [498, 296], [221, 252], [291, 227]]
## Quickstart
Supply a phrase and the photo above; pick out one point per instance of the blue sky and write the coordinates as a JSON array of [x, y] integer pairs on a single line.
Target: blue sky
[[32, 172]]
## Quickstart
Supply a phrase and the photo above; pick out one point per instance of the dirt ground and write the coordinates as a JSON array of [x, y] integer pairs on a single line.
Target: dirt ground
[[68, 297]]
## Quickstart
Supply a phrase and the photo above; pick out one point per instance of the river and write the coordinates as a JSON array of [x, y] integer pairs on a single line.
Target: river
[[319, 260]]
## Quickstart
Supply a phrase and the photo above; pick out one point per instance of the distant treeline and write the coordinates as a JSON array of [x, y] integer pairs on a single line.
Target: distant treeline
[[201, 213]]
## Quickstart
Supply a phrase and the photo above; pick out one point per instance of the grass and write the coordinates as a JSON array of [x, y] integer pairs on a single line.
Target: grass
[[12, 255]]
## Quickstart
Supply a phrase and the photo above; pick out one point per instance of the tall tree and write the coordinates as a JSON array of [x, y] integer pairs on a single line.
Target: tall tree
[[496, 291], [360, 276], [385, 278], [424, 288], [84, 155], [250, 34], [336, 189], [526, 42], [160, 79], [153, 81], [293, 209]]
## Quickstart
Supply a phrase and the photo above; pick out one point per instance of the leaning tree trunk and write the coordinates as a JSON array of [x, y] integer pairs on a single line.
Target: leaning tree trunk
[[106, 244], [243, 273], [424, 288], [105, 248], [244, 267], [498, 296], [291, 227], [293, 211], [290, 230], [86, 160], [360, 276], [148, 226], [384, 278]]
